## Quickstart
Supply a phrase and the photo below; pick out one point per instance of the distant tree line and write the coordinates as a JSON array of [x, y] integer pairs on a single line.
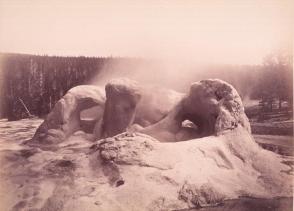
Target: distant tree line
[[38, 82], [275, 82], [270, 83]]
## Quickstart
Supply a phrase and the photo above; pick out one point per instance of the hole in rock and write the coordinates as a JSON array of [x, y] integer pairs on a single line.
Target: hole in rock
[[89, 117], [188, 124], [189, 130], [26, 153], [194, 126], [204, 123], [92, 113], [65, 163], [119, 183]]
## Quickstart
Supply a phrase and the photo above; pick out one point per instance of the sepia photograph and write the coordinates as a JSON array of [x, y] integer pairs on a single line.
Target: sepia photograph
[[146, 105]]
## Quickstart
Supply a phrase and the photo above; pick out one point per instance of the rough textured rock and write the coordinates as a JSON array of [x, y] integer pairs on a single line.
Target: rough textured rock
[[64, 119], [212, 105], [122, 149], [191, 174], [125, 103], [122, 97], [133, 171], [197, 197], [217, 105], [132, 107]]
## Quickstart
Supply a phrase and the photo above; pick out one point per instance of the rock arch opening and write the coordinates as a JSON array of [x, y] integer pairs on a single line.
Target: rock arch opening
[[89, 117], [209, 108], [214, 106], [65, 118]]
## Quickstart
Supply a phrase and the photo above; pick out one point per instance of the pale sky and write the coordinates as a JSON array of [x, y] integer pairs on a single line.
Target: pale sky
[[228, 31]]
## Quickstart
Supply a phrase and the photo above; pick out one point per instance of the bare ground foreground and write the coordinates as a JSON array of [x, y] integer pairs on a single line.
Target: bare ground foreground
[[206, 173]]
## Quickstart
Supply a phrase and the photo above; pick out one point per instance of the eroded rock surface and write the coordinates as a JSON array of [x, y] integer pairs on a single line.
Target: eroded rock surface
[[133, 171], [213, 105], [86, 107], [203, 196], [192, 174], [122, 97], [129, 167], [64, 119]]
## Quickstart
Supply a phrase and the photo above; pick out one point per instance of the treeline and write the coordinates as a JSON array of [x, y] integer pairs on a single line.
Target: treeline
[[38, 82], [270, 83], [275, 82]]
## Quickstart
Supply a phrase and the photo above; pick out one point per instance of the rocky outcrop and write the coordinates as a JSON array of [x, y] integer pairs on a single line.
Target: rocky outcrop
[[64, 119], [126, 103], [192, 174], [133, 171], [212, 105], [122, 97], [203, 196]]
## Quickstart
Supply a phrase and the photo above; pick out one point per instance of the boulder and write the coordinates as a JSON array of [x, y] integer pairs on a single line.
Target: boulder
[[64, 119]]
